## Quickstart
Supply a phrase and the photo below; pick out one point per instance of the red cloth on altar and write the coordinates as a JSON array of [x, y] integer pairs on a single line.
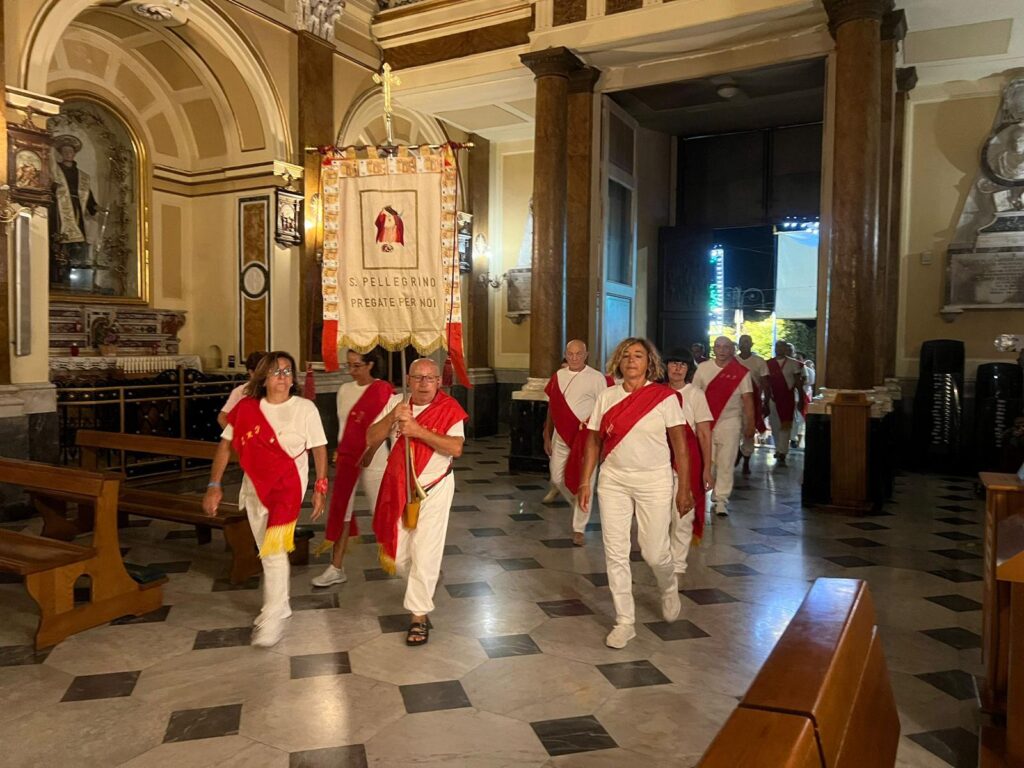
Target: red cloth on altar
[[351, 448], [441, 415], [722, 386], [271, 471]]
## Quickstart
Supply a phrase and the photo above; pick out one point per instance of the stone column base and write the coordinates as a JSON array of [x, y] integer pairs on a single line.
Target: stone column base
[[528, 412], [29, 429]]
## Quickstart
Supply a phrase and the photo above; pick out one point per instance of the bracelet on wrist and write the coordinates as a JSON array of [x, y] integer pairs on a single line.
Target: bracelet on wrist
[[320, 486], [213, 484]]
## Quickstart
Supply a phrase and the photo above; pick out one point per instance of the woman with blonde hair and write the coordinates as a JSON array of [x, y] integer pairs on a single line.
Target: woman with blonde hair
[[631, 428]]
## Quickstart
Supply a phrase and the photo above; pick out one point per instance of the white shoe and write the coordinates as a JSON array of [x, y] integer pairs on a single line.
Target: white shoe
[[620, 635], [670, 606], [721, 511], [552, 495], [331, 575], [262, 618], [268, 634]]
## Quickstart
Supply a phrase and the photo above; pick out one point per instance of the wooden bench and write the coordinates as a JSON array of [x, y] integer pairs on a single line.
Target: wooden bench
[[827, 670], [50, 568]]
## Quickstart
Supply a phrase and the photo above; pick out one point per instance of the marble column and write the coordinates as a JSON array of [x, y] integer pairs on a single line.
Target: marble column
[[894, 29], [552, 68], [578, 206], [853, 247], [315, 128]]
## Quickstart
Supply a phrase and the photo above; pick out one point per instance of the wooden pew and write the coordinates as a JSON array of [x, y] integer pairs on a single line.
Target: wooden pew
[[50, 568], [828, 669]]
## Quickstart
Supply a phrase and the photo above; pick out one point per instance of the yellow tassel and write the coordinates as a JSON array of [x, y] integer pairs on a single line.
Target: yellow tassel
[[279, 540], [696, 540], [387, 563], [323, 547]]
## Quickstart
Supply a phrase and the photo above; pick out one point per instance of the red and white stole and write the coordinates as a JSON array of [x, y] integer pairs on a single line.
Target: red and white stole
[[572, 431], [442, 414], [782, 393], [350, 452], [696, 478], [624, 415], [271, 471], [722, 386]]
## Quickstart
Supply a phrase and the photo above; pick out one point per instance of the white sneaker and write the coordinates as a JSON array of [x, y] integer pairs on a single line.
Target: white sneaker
[[268, 634], [620, 635], [721, 511], [670, 606], [552, 496], [331, 575], [262, 618]]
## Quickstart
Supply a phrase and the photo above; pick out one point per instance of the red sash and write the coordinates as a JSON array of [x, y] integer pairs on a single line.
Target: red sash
[[609, 380], [722, 386], [624, 415], [782, 393], [441, 415], [696, 477], [271, 471], [350, 452], [572, 431]]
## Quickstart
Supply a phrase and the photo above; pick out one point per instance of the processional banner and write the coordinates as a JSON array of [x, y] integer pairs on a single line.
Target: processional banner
[[390, 269]]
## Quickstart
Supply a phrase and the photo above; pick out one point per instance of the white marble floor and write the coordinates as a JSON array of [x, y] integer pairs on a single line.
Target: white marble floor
[[516, 672]]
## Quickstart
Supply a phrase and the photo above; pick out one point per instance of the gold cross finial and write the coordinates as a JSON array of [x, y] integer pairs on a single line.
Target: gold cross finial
[[387, 81]]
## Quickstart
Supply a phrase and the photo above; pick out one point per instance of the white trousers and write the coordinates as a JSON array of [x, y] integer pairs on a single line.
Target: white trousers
[[779, 433], [369, 479], [725, 441], [647, 494], [276, 568], [420, 550], [680, 530], [746, 443], [558, 460]]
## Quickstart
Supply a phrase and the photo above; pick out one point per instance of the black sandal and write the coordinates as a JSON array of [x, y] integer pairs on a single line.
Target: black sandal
[[418, 634]]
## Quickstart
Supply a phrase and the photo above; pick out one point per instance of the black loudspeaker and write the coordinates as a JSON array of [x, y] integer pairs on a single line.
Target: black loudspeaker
[[938, 406], [997, 402]]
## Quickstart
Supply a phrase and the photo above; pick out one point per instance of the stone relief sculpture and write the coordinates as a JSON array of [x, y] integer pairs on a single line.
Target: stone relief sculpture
[[319, 16]]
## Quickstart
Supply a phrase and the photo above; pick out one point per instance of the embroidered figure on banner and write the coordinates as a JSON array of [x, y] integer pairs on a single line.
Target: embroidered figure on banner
[[390, 229]]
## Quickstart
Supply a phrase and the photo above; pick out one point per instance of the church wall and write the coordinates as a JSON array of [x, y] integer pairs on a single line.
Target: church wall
[[946, 128], [654, 179]]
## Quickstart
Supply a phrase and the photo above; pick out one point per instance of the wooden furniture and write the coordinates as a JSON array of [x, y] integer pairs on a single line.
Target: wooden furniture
[[1004, 496], [51, 567], [998, 746], [826, 680]]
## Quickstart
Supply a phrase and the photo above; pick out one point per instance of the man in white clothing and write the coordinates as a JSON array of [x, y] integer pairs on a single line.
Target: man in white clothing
[[758, 368], [572, 392], [730, 395], [786, 378]]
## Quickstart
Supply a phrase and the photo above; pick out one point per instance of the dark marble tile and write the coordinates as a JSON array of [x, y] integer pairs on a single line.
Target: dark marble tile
[[559, 502], [570, 735], [367, 538], [315, 602], [867, 526], [735, 569], [353, 756], [860, 542], [530, 487], [431, 697], [955, 508], [509, 645], [485, 532], [519, 564], [597, 579], [181, 534], [222, 638], [957, 603], [955, 575], [773, 531], [557, 543], [633, 674], [478, 482], [397, 622], [223, 585], [106, 686], [955, 682], [708, 596], [754, 549], [175, 566], [320, 664], [956, 498], [20, 655], [956, 521], [160, 614], [451, 549], [850, 561], [469, 589], [680, 629], [955, 637], [485, 461], [378, 574], [592, 527], [957, 554], [204, 723], [957, 746], [500, 496], [957, 536], [525, 517], [560, 608], [465, 508]]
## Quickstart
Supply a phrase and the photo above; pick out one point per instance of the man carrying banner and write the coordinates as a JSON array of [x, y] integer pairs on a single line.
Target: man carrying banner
[[785, 380], [758, 368], [572, 392], [359, 403], [431, 423], [726, 384]]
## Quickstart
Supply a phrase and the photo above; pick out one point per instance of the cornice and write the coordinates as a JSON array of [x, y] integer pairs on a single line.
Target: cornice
[[559, 61]]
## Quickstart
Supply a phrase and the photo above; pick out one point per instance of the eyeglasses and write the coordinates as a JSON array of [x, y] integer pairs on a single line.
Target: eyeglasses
[[356, 366], [417, 377], [281, 372]]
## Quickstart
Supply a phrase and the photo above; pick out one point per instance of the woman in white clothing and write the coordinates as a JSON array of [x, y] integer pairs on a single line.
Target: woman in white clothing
[[631, 428]]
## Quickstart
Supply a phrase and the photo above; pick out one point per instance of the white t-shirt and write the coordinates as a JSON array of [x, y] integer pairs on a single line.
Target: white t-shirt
[[757, 366], [706, 373], [645, 447], [236, 394], [581, 388], [348, 395], [439, 462], [299, 428], [695, 406]]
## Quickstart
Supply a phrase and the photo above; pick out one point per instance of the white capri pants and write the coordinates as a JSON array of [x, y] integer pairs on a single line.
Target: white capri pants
[[420, 550], [559, 458]]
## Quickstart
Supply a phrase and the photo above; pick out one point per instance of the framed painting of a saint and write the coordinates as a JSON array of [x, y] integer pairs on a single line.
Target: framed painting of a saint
[[97, 248]]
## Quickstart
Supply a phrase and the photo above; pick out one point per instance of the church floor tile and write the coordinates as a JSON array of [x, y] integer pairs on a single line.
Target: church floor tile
[[517, 641]]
